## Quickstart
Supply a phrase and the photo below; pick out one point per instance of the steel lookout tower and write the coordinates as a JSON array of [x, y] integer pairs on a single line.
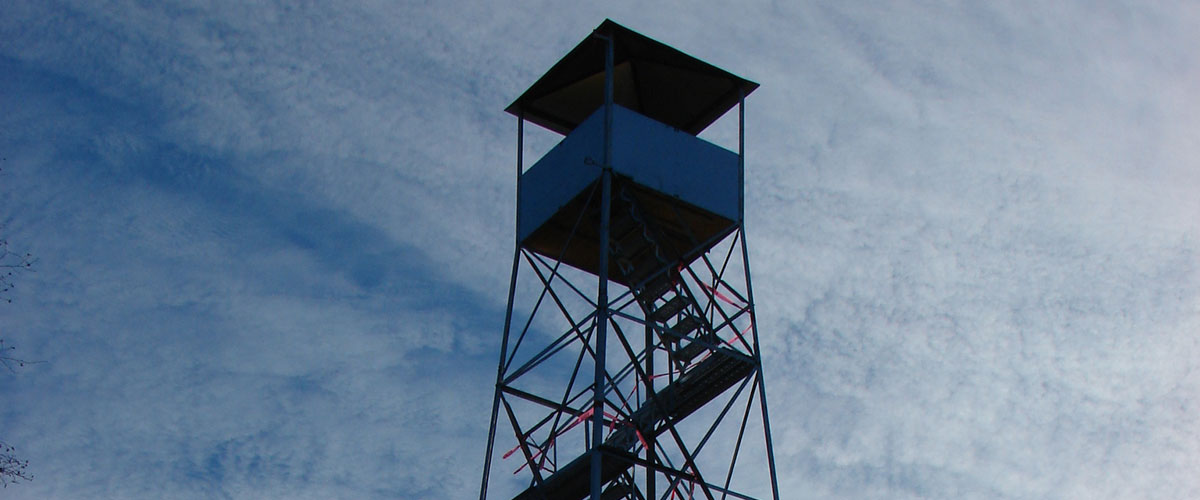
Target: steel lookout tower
[[630, 363]]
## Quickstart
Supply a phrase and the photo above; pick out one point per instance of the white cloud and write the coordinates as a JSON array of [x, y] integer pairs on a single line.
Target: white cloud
[[274, 241]]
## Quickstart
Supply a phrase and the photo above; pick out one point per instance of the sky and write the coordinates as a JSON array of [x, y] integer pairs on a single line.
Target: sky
[[273, 240]]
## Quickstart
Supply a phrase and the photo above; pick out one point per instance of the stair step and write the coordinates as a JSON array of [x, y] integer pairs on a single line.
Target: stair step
[[573, 481], [702, 383], [687, 325], [689, 352], [632, 248], [632, 236], [671, 308], [645, 265], [656, 287]]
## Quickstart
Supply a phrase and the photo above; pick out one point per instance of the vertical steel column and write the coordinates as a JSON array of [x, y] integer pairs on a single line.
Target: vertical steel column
[[602, 289], [742, 166], [762, 388], [649, 347], [512, 288]]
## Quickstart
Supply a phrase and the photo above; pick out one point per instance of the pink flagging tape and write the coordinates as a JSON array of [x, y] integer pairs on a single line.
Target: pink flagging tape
[[743, 332], [641, 438], [717, 293], [613, 422], [526, 464], [624, 404], [690, 494], [582, 416]]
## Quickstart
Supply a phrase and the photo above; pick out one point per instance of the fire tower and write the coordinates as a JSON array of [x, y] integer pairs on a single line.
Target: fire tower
[[630, 365]]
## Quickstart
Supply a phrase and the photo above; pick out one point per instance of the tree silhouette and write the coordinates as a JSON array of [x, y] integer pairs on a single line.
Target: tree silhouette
[[10, 263], [12, 468]]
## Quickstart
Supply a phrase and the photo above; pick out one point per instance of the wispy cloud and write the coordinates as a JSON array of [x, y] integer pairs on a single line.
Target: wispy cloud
[[274, 241]]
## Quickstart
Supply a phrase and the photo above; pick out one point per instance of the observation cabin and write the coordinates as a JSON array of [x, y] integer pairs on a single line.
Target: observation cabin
[[689, 189]]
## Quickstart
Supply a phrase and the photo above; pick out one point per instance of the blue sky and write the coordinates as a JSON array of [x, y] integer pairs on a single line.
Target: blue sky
[[273, 241]]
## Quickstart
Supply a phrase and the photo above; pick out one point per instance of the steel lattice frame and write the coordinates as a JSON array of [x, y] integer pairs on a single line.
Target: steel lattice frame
[[681, 367], [548, 405]]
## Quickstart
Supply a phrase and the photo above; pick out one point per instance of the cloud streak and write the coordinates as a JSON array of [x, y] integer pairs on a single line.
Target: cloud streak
[[274, 241]]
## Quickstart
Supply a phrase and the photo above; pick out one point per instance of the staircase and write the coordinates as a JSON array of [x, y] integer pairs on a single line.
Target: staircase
[[702, 383], [648, 268]]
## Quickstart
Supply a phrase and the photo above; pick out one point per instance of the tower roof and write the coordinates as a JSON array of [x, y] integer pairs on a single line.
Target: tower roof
[[649, 77]]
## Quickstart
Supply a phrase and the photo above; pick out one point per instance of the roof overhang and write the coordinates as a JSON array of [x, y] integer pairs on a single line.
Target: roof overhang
[[649, 77]]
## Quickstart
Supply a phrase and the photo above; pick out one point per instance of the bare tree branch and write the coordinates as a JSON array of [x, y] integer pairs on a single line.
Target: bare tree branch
[[10, 263], [12, 469], [11, 362]]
